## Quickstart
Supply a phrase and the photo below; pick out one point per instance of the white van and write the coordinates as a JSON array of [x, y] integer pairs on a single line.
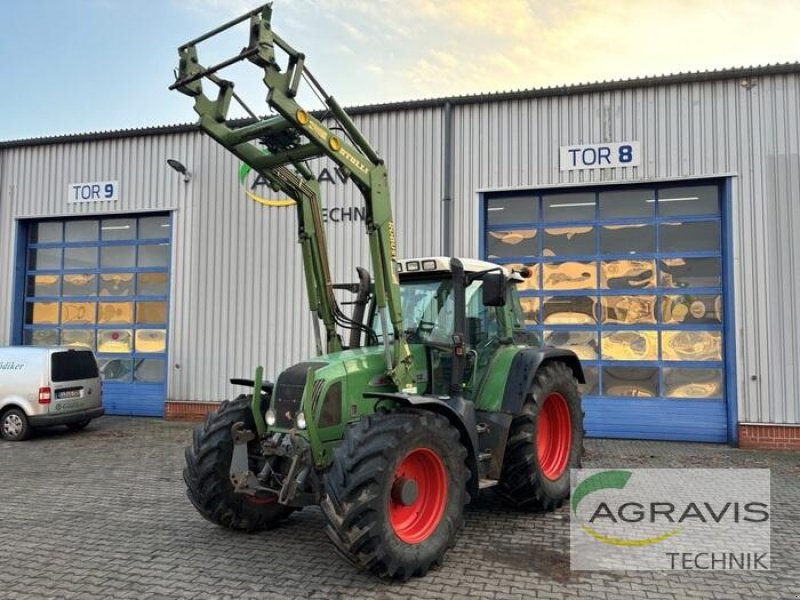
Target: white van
[[40, 387]]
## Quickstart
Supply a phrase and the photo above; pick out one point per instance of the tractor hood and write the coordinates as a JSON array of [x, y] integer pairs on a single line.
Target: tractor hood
[[329, 389], [365, 368]]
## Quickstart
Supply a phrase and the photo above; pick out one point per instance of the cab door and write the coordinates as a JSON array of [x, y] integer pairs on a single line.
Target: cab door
[[484, 333]]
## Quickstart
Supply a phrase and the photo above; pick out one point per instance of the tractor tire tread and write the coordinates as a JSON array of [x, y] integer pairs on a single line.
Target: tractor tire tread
[[353, 498], [521, 483], [205, 473]]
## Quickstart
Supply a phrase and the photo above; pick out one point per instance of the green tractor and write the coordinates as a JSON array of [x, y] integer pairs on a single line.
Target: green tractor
[[437, 392]]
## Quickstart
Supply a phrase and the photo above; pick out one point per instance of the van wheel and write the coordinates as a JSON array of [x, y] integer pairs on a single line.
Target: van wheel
[[79, 425], [14, 425]]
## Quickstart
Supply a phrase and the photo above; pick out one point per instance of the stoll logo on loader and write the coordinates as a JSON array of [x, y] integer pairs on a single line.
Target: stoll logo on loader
[[653, 519]]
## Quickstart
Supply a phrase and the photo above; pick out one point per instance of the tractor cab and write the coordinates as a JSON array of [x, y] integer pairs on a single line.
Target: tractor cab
[[492, 318]]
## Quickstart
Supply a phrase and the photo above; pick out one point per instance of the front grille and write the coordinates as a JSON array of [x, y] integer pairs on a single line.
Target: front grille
[[287, 401], [289, 393]]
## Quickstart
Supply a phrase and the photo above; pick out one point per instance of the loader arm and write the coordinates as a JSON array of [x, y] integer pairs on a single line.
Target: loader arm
[[292, 137]]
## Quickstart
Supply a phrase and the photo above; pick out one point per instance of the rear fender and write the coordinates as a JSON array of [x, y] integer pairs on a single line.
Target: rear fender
[[524, 368], [461, 414]]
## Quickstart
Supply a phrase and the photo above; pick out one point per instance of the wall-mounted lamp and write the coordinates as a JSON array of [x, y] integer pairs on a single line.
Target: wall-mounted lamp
[[180, 168], [748, 83]]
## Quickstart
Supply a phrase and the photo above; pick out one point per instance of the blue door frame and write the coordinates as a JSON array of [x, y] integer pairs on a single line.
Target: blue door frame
[[648, 418], [131, 397]]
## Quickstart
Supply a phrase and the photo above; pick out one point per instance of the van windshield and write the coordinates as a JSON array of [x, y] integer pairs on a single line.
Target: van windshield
[[72, 365]]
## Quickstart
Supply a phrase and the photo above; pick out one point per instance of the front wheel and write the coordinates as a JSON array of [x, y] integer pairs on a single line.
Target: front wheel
[[395, 493], [544, 443], [207, 474]]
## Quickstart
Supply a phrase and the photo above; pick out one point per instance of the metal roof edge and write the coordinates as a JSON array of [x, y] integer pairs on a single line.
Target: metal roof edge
[[582, 88], [563, 90], [100, 135]]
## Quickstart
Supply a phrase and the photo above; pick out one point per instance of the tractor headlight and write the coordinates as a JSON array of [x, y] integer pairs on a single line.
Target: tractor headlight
[[301, 420], [269, 417]]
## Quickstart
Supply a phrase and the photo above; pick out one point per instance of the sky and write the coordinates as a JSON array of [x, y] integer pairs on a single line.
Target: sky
[[76, 66]]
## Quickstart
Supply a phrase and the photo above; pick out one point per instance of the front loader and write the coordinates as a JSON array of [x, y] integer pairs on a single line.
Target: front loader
[[437, 392]]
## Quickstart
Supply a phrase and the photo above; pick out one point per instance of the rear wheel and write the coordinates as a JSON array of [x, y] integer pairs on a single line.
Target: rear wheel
[[544, 443], [395, 493], [207, 474], [14, 425]]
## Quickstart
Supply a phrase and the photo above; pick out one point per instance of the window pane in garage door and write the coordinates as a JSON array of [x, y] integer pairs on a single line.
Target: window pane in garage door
[[569, 241], [571, 275], [43, 285], [630, 381], [116, 284], [80, 258], [118, 229], [628, 274], [517, 242], [700, 200], [692, 309], [569, 310], [691, 272], [639, 345], [43, 259], [83, 230], [700, 236], [80, 284], [583, 342], [84, 338], [628, 310], [513, 209], [627, 239], [627, 204], [569, 207], [693, 383], [692, 345], [47, 232]]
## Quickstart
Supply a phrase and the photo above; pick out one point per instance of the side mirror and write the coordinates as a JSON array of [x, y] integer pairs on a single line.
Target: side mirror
[[494, 289]]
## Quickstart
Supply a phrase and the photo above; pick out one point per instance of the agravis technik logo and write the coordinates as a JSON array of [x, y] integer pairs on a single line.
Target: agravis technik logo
[[244, 180], [613, 480], [652, 519]]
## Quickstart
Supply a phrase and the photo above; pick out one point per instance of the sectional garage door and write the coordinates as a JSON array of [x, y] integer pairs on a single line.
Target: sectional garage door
[[632, 279], [102, 284]]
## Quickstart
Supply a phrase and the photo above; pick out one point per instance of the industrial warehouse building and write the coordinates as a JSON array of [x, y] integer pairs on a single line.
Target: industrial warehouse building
[[658, 215]]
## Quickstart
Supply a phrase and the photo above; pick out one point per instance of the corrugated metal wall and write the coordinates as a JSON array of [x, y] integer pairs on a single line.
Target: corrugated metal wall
[[750, 129], [238, 295], [35, 181]]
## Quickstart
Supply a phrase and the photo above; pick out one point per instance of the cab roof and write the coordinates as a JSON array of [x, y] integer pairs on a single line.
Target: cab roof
[[432, 264]]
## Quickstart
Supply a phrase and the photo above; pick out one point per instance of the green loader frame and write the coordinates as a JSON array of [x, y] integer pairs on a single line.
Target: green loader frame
[[439, 391]]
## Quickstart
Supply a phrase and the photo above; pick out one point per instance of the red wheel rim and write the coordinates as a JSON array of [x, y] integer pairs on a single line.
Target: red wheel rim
[[260, 501], [415, 519], [554, 436]]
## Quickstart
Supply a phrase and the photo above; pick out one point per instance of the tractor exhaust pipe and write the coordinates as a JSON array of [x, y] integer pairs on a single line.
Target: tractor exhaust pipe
[[360, 305], [459, 325]]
